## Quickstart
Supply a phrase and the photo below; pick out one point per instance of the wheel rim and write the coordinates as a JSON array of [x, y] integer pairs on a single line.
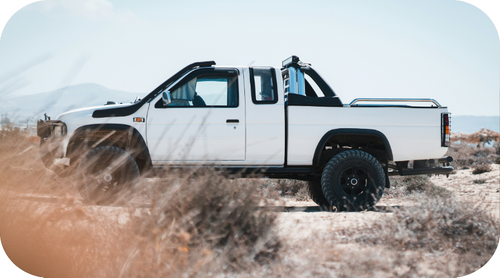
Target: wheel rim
[[354, 181], [102, 179]]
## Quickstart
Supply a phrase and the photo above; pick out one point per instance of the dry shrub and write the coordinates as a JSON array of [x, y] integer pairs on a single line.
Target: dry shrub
[[439, 225], [20, 166], [479, 181], [439, 236], [45, 229], [295, 189], [273, 189], [180, 224], [481, 168], [202, 223], [289, 187], [403, 186], [302, 194], [465, 156]]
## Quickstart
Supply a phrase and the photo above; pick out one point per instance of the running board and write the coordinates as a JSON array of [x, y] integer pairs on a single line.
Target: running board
[[272, 171]]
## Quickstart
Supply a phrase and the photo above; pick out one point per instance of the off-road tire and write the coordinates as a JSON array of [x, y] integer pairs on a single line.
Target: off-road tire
[[353, 181], [105, 171], [316, 194]]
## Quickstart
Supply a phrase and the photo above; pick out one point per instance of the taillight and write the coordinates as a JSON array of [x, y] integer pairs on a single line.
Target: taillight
[[445, 129]]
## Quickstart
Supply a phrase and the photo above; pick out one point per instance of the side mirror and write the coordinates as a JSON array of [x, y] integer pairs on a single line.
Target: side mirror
[[166, 98]]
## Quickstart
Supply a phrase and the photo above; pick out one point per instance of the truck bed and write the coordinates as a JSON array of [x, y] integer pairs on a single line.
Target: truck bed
[[413, 133]]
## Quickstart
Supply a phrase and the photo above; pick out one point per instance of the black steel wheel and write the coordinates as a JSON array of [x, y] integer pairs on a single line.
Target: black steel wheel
[[103, 172], [353, 181]]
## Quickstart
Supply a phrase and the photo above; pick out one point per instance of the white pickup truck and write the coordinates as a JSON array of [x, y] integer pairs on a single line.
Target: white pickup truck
[[264, 121]]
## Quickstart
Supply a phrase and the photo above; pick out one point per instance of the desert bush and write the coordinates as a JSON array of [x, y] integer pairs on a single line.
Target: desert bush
[[203, 224], [479, 181], [20, 164], [403, 186], [496, 145], [417, 183], [181, 224], [465, 156], [289, 187], [294, 189], [302, 194], [481, 168], [438, 225]]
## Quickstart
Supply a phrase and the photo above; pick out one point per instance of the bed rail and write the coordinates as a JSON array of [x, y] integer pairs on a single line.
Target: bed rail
[[395, 100]]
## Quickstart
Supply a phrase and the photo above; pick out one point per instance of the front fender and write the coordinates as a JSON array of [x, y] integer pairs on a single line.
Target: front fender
[[121, 135]]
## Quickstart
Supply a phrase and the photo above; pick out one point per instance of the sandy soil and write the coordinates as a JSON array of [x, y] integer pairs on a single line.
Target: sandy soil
[[304, 218], [300, 224], [305, 226]]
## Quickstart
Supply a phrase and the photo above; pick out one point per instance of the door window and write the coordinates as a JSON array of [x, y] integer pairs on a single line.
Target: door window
[[206, 90]]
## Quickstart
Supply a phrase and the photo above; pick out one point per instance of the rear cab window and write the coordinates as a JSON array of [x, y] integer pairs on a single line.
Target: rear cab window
[[263, 83]]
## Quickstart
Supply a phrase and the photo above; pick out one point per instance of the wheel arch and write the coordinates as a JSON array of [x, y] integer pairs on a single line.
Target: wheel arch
[[123, 136], [350, 133]]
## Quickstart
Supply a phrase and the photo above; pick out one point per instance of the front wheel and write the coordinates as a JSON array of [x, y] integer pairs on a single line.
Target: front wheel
[[353, 181], [103, 172]]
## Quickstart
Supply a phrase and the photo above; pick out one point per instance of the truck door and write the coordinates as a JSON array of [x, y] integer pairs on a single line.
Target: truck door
[[205, 120], [265, 117]]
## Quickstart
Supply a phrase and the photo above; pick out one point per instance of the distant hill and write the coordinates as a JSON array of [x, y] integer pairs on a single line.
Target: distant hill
[[61, 100], [471, 124], [90, 94]]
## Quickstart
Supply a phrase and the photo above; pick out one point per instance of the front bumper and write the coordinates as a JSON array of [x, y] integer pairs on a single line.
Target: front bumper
[[52, 134], [51, 129]]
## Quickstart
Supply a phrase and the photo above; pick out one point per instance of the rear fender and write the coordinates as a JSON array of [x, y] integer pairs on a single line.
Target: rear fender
[[320, 149]]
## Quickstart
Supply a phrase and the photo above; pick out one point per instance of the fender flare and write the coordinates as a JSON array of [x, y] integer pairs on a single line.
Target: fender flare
[[350, 131], [113, 127]]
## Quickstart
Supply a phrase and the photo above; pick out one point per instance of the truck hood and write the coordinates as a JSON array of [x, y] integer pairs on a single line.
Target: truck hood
[[87, 111]]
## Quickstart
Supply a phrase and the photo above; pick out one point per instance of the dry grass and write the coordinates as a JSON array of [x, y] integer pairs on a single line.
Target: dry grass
[[198, 223], [438, 224], [481, 168], [182, 223], [292, 188], [438, 237], [465, 156], [402, 187]]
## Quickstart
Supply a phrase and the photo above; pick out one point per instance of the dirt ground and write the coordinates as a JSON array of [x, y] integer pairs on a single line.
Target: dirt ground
[[305, 225], [308, 234], [48, 231], [305, 218]]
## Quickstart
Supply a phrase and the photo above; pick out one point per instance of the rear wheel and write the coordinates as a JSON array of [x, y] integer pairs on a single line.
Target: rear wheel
[[103, 172], [353, 181]]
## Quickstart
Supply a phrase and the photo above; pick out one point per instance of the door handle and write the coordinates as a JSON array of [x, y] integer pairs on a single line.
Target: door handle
[[232, 121]]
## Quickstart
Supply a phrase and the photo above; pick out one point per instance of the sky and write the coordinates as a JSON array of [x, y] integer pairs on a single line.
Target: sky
[[442, 49]]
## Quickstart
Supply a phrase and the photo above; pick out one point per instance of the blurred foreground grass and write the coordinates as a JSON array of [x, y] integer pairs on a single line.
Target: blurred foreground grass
[[197, 223]]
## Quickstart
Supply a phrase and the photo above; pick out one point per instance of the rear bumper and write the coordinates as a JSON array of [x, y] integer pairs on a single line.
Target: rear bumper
[[424, 171], [423, 167]]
